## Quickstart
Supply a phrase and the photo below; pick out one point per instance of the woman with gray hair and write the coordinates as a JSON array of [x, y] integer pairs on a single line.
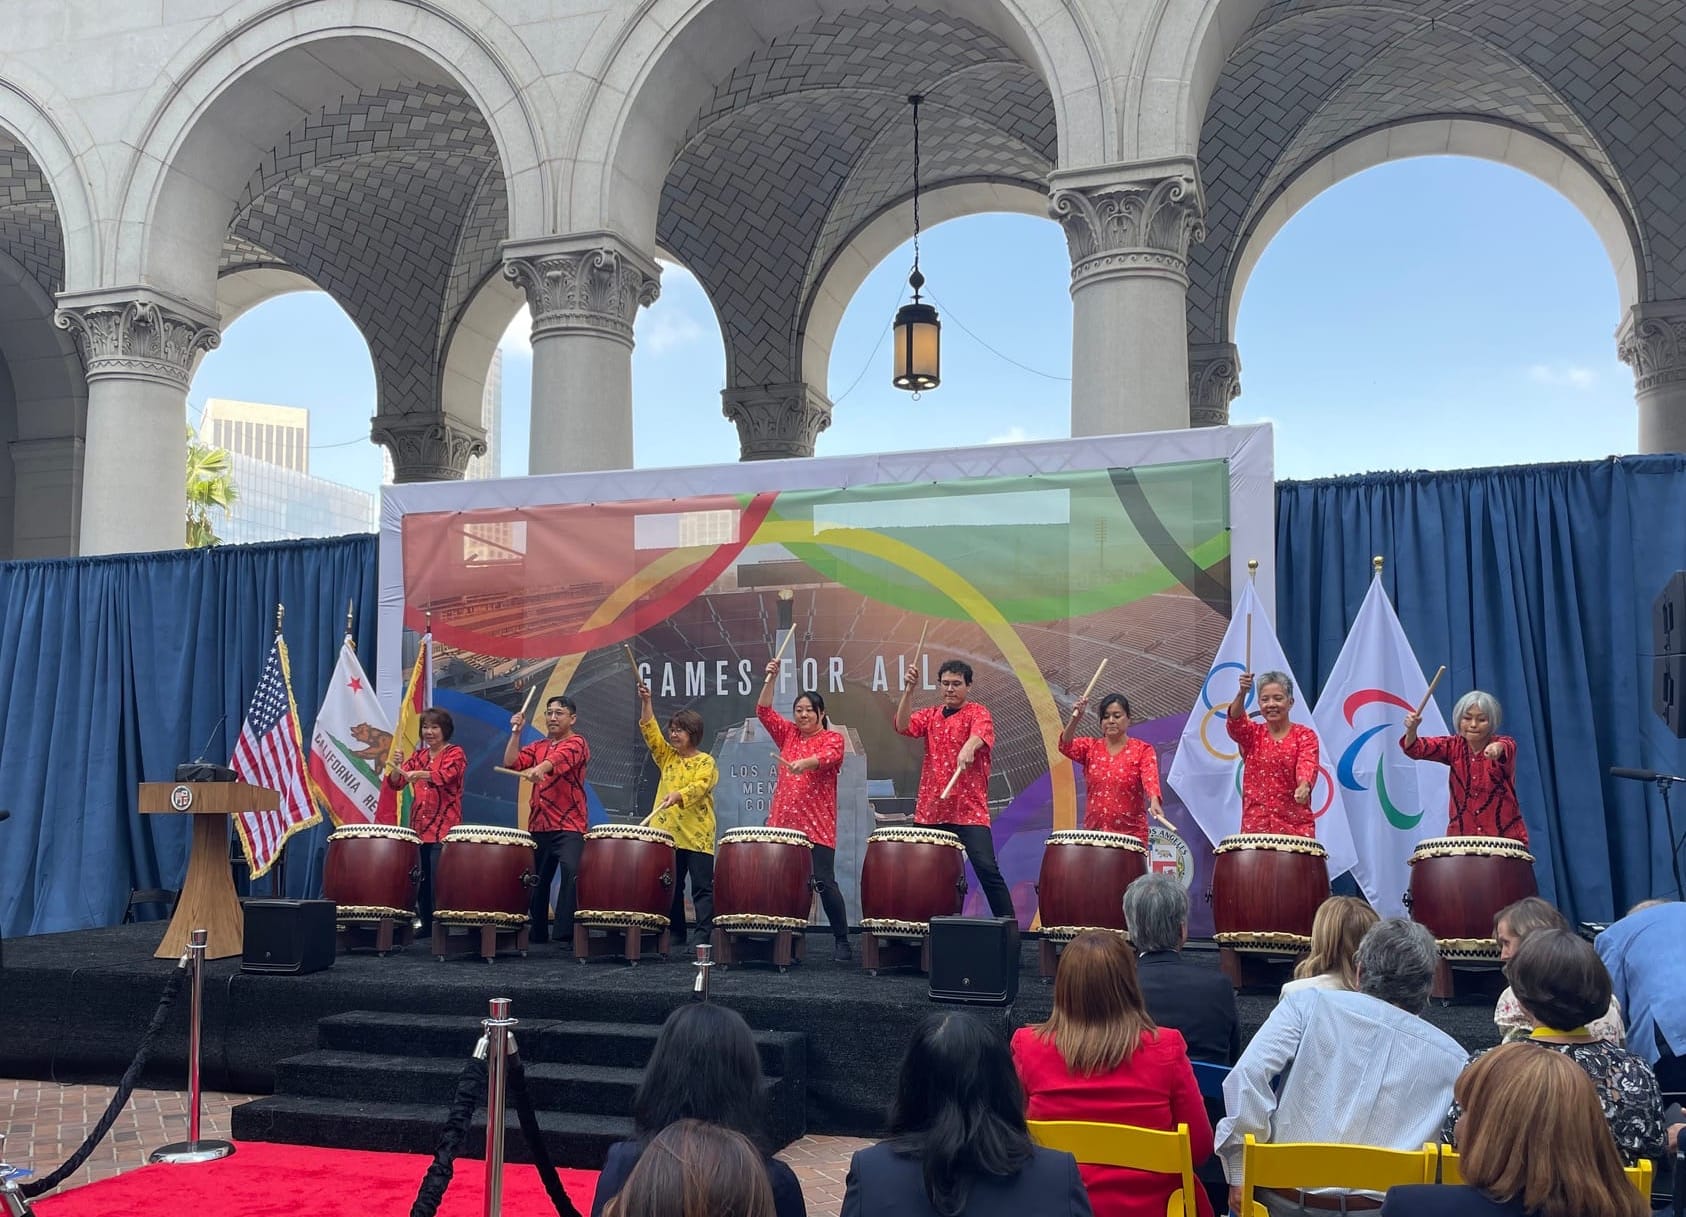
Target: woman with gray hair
[[1279, 759], [1482, 787]]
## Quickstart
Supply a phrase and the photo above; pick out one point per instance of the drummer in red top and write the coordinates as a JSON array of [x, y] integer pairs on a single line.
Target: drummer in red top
[[958, 735], [810, 754], [435, 773], [1483, 779], [1121, 774], [1279, 760], [556, 812]]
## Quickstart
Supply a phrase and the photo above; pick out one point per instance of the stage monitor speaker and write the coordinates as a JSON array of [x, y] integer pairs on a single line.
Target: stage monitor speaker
[[975, 960], [1668, 692], [288, 937], [1668, 616]]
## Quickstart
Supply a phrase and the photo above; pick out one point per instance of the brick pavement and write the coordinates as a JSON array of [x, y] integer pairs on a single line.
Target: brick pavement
[[44, 1122]]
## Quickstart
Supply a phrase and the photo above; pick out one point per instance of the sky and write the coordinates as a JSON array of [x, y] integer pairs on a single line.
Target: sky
[[1435, 313]]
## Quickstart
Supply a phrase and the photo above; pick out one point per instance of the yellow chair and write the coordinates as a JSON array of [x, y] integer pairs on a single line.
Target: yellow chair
[[1355, 1168], [1639, 1176], [1144, 1149]]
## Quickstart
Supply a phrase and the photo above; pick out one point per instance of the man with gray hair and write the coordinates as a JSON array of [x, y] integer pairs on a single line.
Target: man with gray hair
[[1357, 1068], [1191, 998]]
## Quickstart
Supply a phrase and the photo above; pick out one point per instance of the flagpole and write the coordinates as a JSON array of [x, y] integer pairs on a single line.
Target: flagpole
[[350, 616], [280, 612]]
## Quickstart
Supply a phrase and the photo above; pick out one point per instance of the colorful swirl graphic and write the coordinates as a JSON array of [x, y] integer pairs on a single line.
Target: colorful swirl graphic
[[1347, 766]]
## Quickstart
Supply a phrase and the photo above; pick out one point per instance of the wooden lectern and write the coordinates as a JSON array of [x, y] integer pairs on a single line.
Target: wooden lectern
[[208, 901]]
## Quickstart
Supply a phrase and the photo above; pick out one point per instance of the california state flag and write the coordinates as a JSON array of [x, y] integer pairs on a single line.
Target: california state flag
[[349, 743]]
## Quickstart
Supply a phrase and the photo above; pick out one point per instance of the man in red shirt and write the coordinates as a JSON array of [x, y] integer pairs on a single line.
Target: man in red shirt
[[958, 735], [555, 766]]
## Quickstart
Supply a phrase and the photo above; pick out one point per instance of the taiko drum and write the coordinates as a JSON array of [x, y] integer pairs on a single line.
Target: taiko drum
[[484, 870], [1458, 884], [1266, 885], [372, 871], [763, 872], [1083, 877], [912, 875], [627, 869]]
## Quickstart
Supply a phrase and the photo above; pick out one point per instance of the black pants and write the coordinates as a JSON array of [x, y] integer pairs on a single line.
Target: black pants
[[980, 848], [558, 851], [424, 893], [700, 867], [831, 900]]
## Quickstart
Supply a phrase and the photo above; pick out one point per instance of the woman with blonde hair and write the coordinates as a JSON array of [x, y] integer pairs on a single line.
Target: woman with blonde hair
[[1100, 1057], [1534, 1143], [1336, 931]]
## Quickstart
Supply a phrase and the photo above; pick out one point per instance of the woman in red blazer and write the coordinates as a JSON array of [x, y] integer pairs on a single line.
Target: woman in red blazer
[[1100, 1057]]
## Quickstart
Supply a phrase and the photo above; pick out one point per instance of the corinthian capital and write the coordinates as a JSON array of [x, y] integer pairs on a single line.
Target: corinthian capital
[[137, 334], [1652, 341], [1214, 380], [428, 447], [1129, 219], [777, 420], [593, 282]]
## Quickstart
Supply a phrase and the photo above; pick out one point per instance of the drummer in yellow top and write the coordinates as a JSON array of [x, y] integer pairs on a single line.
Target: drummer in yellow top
[[684, 807]]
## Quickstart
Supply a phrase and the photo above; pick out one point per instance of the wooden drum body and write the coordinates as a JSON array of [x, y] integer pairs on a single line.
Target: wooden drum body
[[763, 879], [372, 872], [485, 877], [1458, 884], [1265, 892], [910, 875], [626, 878], [1082, 881]]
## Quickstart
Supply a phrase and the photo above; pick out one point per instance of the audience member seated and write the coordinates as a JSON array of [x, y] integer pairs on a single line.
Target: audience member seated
[[1532, 1144], [704, 1067], [1561, 986], [1511, 927], [1645, 953], [1336, 931], [695, 1169], [1194, 999], [1100, 1057], [1357, 1068], [958, 1142]]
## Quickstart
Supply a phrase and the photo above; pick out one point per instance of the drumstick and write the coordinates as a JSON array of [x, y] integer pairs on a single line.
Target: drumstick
[[637, 674], [788, 635], [919, 647], [514, 773], [528, 704], [958, 770], [1423, 704], [1093, 680]]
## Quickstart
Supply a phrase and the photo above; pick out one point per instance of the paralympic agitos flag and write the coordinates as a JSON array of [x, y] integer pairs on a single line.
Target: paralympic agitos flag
[[1392, 802]]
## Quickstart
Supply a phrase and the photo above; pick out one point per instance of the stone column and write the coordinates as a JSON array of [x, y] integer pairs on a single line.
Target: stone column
[[776, 421], [1214, 380], [47, 507], [428, 447], [139, 347], [1129, 229], [1652, 341], [584, 292]]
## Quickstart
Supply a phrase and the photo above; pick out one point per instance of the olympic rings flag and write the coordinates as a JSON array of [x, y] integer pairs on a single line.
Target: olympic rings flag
[[1207, 772], [1392, 801]]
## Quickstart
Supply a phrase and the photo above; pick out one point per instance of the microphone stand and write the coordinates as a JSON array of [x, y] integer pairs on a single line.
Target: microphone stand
[[1664, 781]]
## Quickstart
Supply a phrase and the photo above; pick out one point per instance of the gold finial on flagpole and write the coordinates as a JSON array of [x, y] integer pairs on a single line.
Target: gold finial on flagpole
[[1376, 564], [1252, 568], [280, 612]]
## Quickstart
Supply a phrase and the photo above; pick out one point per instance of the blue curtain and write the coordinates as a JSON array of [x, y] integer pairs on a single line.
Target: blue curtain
[[1536, 584], [113, 671]]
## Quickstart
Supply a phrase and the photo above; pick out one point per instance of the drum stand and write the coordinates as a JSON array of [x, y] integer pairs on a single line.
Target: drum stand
[[781, 948], [1248, 970], [383, 935], [492, 937], [882, 950], [617, 941]]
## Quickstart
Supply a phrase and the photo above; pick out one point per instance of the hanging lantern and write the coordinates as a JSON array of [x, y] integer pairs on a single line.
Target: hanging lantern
[[918, 333]]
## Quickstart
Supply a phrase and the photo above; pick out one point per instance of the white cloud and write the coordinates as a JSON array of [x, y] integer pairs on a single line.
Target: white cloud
[[661, 331], [1562, 375], [1012, 435], [519, 336]]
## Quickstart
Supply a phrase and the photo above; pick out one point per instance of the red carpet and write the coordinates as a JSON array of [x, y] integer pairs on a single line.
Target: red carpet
[[264, 1180]]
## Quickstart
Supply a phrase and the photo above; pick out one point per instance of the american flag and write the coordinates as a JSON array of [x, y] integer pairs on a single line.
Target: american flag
[[270, 753]]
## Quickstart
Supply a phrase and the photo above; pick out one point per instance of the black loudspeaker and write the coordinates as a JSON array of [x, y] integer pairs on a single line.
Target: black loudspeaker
[[288, 937], [975, 960], [1668, 616], [1668, 692]]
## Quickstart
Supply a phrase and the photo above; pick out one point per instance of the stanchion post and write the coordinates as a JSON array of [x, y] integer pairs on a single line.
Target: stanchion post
[[704, 966], [193, 1149], [499, 1044], [13, 1203]]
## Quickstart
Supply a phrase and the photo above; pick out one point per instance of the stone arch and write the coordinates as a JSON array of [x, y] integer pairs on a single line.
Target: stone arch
[[244, 288], [837, 282], [470, 343], [220, 108], [1178, 60], [48, 132], [660, 69]]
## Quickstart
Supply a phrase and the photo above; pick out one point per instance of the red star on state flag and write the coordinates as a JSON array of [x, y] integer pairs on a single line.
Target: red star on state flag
[[355, 685]]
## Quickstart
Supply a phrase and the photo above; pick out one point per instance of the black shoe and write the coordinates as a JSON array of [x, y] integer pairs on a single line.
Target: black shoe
[[840, 952]]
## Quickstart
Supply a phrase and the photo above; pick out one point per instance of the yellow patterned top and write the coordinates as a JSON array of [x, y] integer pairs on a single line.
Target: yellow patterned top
[[691, 821]]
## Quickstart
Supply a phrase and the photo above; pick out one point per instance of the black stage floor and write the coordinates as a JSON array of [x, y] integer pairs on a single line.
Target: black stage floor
[[73, 1007]]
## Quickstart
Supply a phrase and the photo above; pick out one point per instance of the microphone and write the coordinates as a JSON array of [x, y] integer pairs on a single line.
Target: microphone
[[200, 759], [5, 815], [1632, 775]]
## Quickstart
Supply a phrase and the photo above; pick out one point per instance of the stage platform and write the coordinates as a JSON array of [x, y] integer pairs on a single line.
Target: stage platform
[[73, 1007]]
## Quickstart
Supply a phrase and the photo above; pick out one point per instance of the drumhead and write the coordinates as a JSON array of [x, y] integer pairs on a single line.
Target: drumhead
[[906, 834], [1280, 842], [485, 834], [1096, 838], [373, 832], [765, 835], [630, 832], [1482, 847]]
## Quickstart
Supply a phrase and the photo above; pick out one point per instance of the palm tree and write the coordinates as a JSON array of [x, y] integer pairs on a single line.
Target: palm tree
[[210, 483]]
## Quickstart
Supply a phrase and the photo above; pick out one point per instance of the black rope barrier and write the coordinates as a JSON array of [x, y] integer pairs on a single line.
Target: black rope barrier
[[535, 1138], [471, 1085], [125, 1087]]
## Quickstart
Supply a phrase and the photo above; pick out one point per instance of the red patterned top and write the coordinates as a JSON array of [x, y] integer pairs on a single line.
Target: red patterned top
[[805, 801], [436, 804], [558, 801], [1483, 792], [1119, 786], [944, 736], [1271, 771]]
